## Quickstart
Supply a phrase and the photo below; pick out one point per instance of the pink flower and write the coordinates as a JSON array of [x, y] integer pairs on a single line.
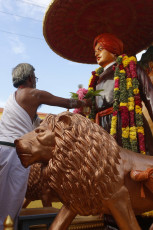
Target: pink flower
[[81, 93], [77, 110]]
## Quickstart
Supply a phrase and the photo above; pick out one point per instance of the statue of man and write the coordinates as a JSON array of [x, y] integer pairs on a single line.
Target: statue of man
[[107, 48]]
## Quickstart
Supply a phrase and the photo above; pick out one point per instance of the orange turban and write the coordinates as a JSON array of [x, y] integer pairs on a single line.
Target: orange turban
[[110, 42]]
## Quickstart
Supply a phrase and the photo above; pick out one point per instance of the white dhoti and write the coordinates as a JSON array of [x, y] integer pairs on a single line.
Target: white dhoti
[[14, 123], [13, 184]]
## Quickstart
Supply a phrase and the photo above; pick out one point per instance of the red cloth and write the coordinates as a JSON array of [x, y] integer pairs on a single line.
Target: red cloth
[[110, 42], [145, 177], [103, 113]]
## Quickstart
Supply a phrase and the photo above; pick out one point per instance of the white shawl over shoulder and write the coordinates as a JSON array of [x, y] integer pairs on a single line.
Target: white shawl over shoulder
[[15, 121]]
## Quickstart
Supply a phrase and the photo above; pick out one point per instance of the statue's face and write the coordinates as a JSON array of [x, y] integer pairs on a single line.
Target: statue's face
[[36, 146], [103, 56]]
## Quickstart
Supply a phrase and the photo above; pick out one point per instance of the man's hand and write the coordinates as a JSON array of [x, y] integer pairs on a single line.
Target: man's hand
[[88, 102]]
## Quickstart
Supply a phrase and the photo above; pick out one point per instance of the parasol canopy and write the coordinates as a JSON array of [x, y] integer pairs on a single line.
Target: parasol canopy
[[70, 26]]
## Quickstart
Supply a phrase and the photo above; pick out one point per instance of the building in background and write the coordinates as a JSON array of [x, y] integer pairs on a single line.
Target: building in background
[[41, 115], [1, 111]]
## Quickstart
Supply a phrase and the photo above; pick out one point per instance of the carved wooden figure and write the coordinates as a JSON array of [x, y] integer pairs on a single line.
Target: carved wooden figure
[[87, 170]]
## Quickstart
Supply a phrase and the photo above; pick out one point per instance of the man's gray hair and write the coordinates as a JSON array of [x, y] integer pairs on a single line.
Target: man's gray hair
[[21, 73]]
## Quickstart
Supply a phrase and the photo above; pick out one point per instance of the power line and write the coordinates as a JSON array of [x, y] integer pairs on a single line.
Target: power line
[[19, 16], [31, 4], [8, 32]]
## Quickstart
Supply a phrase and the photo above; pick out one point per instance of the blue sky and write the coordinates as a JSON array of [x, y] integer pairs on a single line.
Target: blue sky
[[21, 40]]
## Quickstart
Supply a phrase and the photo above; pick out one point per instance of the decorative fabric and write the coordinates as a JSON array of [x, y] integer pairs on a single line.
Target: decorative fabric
[[103, 113], [145, 177]]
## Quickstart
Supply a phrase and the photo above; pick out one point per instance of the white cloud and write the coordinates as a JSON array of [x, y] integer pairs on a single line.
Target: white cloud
[[41, 2], [5, 4], [31, 8], [26, 8], [17, 46]]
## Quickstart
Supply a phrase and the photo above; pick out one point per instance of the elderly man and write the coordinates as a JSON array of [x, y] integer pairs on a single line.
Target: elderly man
[[19, 117]]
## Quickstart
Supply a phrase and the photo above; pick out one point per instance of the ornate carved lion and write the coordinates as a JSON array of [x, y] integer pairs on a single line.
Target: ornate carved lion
[[87, 170]]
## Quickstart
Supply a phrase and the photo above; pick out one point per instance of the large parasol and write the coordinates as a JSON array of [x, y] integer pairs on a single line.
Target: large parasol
[[70, 26]]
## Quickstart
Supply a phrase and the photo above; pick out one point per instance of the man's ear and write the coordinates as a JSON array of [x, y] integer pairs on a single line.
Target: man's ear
[[30, 78]]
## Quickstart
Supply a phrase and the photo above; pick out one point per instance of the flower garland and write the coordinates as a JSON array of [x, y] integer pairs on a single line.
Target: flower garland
[[94, 78], [91, 86], [127, 100]]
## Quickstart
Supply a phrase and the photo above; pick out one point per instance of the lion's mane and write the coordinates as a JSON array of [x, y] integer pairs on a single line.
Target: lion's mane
[[83, 168], [35, 182]]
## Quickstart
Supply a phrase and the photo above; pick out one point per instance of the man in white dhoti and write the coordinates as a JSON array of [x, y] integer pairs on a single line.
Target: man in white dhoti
[[19, 117]]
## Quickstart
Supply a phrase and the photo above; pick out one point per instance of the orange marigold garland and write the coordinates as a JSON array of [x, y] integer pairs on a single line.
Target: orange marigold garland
[[127, 100]]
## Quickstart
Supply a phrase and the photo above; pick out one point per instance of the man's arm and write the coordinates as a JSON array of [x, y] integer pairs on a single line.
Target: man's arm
[[43, 97]]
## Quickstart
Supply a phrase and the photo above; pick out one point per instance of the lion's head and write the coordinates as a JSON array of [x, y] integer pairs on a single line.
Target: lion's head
[[38, 145]]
